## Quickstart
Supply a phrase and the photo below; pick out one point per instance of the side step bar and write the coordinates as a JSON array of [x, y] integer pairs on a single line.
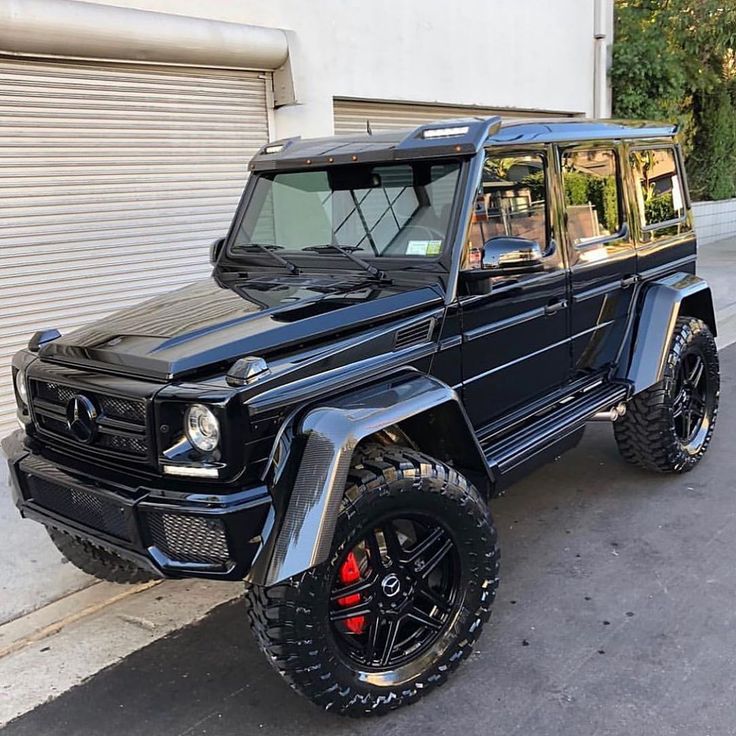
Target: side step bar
[[569, 417]]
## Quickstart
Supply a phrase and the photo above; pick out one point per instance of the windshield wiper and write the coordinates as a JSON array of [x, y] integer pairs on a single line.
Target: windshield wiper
[[270, 250], [347, 252]]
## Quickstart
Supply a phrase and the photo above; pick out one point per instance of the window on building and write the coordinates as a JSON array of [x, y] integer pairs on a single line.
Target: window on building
[[591, 183], [658, 189]]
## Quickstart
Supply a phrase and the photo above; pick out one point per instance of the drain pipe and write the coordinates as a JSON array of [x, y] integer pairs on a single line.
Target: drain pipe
[[600, 59]]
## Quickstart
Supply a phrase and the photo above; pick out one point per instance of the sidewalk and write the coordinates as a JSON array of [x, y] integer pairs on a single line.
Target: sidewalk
[[34, 577], [717, 265]]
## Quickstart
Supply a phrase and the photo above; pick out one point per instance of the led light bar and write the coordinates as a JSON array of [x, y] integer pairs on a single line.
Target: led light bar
[[191, 471], [276, 148], [445, 132]]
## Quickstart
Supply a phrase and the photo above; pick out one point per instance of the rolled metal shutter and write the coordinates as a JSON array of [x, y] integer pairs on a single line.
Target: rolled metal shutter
[[114, 179], [351, 115]]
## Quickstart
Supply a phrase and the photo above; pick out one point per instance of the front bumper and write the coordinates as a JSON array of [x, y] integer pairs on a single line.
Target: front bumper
[[205, 535]]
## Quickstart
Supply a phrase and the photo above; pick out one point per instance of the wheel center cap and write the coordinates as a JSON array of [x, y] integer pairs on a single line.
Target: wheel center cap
[[391, 585]]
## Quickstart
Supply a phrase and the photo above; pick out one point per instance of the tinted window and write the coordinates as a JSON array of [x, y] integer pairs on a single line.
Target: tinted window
[[512, 200], [658, 186], [590, 179], [401, 210]]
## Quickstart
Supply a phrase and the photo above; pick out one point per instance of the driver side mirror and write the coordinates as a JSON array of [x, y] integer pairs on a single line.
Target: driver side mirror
[[216, 249], [507, 255]]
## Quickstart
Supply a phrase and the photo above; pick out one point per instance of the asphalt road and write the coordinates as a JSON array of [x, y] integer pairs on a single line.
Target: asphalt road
[[615, 615]]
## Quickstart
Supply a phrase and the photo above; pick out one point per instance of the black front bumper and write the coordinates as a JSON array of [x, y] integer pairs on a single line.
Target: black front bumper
[[199, 535]]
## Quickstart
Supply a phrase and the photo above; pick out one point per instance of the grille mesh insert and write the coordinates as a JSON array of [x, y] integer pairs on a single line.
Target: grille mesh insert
[[51, 416], [186, 538], [76, 504]]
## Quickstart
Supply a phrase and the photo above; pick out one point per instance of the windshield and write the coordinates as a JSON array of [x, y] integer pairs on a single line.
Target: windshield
[[381, 210]]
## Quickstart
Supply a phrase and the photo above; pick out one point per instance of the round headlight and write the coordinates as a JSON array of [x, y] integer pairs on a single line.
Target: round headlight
[[202, 428], [20, 386]]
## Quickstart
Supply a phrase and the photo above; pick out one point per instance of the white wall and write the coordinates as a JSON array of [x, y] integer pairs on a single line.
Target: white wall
[[502, 53], [715, 221]]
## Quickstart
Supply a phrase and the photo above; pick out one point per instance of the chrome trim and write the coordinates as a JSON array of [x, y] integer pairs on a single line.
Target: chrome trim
[[532, 355], [665, 267], [503, 324], [597, 291]]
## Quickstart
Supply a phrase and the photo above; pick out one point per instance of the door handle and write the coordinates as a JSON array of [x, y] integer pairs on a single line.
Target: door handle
[[555, 306], [627, 281]]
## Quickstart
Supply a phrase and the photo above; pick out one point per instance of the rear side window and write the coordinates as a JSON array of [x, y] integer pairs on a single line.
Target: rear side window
[[658, 189], [591, 183]]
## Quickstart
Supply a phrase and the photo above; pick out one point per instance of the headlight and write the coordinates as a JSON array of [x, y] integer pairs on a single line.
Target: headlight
[[202, 428], [20, 386]]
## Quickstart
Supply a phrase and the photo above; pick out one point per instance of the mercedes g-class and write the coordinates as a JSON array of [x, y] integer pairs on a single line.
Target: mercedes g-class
[[397, 326]]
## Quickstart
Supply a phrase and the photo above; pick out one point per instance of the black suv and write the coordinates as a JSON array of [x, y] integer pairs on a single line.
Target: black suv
[[397, 326]]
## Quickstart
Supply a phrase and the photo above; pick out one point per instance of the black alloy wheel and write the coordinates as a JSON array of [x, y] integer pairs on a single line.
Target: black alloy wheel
[[395, 592], [403, 597], [668, 426], [690, 403]]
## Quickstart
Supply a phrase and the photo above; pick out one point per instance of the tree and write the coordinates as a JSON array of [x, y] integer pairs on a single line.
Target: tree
[[674, 60]]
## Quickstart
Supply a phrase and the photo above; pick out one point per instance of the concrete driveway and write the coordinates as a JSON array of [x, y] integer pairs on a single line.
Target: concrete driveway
[[615, 615]]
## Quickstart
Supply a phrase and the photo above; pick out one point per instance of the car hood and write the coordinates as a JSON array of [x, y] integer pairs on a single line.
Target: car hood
[[213, 322]]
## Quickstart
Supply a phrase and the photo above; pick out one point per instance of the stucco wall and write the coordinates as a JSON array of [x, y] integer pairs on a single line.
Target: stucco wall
[[530, 54]]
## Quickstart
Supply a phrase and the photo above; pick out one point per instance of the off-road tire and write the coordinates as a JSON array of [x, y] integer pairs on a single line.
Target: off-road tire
[[97, 561], [646, 435], [290, 620]]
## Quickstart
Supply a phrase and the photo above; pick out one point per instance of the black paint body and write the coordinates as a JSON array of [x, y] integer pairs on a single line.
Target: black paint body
[[528, 357]]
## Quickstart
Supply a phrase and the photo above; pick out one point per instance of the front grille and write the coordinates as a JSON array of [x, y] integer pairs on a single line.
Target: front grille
[[84, 507], [186, 538], [121, 422]]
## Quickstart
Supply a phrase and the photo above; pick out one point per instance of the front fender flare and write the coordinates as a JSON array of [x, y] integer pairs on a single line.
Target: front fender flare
[[329, 434]]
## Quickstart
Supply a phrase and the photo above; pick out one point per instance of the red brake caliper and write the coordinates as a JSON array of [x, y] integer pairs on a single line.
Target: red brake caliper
[[350, 573]]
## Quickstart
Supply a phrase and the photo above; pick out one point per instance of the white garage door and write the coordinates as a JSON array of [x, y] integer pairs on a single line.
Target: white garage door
[[351, 115], [114, 179]]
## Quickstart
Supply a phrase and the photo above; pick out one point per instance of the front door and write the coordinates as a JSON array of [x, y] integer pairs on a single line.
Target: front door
[[602, 255], [515, 335]]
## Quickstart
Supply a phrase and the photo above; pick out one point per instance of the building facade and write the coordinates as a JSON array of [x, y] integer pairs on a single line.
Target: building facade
[[126, 126]]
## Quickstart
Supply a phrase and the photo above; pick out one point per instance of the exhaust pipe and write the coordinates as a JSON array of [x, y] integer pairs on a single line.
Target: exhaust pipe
[[609, 416]]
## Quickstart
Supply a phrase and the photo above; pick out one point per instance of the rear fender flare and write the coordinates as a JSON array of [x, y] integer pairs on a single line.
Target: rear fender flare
[[324, 440], [663, 302]]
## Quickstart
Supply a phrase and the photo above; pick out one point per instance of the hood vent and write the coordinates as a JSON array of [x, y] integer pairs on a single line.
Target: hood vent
[[415, 334]]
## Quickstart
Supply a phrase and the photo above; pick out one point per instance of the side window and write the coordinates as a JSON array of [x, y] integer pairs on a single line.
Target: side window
[[591, 183], [658, 191], [511, 200]]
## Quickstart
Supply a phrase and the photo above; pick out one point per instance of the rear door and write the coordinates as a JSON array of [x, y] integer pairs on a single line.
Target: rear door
[[601, 253]]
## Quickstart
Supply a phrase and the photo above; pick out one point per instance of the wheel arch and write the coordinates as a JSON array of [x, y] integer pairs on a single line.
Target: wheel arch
[[663, 301], [323, 438]]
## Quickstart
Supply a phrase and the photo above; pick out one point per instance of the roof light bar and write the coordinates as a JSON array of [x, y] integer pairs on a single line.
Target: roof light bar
[[275, 148], [445, 132]]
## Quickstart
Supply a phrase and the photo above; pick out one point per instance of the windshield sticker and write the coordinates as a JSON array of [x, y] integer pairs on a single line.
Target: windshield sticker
[[423, 247]]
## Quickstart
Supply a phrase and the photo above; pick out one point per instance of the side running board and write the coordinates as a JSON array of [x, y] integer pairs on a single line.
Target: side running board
[[568, 417]]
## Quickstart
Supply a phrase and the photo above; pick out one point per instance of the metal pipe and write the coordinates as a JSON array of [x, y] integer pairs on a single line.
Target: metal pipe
[[70, 29], [600, 59], [609, 416]]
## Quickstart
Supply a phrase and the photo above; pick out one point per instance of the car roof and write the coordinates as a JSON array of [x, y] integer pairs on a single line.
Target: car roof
[[415, 143], [584, 129]]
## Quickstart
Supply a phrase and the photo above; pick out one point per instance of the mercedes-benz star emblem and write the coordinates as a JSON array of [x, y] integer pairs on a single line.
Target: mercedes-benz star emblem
[[81, 418], [391, 585]]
